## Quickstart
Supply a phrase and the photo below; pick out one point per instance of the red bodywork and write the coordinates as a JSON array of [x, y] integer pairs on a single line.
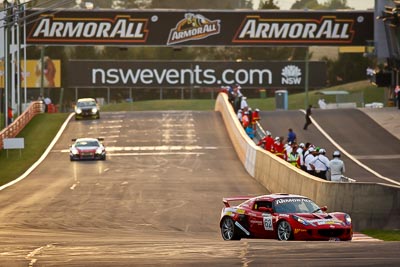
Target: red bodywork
[[261, 217]]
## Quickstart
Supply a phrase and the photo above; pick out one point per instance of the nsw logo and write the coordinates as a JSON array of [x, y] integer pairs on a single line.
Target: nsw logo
[[291, 75]]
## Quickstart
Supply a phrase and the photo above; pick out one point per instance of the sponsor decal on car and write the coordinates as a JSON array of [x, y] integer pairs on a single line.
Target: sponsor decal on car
[[267, 220], [297, 230], [291, 200]]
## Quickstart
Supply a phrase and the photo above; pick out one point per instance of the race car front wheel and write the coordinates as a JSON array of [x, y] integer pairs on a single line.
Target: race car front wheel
[[284, 231], [229, 230]]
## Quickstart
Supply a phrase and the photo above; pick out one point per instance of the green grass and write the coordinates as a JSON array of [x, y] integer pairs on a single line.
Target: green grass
[[37, 135], [386, 235]]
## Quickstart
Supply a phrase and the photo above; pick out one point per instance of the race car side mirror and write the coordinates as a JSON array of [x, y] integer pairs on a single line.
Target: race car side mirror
[[324, 208]]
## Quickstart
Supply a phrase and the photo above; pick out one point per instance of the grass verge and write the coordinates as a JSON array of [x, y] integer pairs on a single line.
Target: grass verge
[[37, 135], [386, 235]]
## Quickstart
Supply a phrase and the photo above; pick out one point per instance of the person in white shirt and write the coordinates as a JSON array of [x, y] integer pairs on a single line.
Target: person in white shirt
[[321, 164], [336, 166], [308, 159], [300, 151]]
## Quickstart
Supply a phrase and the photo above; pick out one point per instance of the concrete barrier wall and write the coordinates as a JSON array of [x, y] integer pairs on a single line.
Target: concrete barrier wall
[[371, 205], [19, 123]]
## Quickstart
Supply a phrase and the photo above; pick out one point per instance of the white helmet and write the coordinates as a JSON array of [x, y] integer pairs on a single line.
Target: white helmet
[[336, 153], [321, 151]]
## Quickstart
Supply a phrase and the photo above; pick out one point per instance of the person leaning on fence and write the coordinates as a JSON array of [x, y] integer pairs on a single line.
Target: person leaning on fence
[[336, 166]]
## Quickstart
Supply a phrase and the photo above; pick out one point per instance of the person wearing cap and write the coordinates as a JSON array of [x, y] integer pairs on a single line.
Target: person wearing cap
[[267, 142], [336, 166], [279, 148], [321, 164], [255, 117], [308, 158], [245, 119], [300, 151], [243, 104], [237, 97]]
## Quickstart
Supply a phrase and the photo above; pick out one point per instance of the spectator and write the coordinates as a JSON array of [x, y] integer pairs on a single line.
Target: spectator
[[250, 131], [294, 157], [279, 148], [321, 164], [322, 103], [255, 117], [308, 117], [308, 158], [47, 102], [267, 142], [10, 115], [243, 104], [291, 136], [336, 166], [245, 119], [300, 151], [237, 97]]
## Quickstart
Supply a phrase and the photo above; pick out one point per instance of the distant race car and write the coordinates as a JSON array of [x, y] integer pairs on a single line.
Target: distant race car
[[87, 108], [282, 217], [87, 149]]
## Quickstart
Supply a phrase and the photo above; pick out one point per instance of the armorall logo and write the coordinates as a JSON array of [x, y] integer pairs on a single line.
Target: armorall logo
[[121, 29], [193, 27], [327, 29]]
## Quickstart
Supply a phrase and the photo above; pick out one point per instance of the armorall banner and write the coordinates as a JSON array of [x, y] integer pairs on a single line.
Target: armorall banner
[[154, 74], [200, 28]]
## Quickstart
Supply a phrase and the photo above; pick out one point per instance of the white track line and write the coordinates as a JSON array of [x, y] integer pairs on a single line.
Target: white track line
[[342, 150]]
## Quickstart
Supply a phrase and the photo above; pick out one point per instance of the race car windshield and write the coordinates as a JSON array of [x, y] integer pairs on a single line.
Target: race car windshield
[[295, 205], [87, 143], [86, 104]]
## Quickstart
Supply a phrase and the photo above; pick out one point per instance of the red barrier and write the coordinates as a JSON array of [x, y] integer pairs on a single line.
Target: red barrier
[[16, 126]]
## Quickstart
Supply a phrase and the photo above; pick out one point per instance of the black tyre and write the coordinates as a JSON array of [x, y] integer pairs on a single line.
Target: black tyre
[[228, 229], [284, 231]]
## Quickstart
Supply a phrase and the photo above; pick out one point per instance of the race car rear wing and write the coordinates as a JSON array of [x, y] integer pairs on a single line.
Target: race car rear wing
[[226, 200]]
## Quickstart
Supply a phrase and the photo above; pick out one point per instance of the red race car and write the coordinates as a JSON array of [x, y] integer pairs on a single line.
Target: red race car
[[87, 149], [282, 217]]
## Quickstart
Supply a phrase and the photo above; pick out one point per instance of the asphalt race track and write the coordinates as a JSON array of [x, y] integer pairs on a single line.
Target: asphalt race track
[[155, 201], [355, 131]]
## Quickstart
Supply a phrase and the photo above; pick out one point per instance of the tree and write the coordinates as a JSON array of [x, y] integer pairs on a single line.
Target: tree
[[306, 4], [268, 4]]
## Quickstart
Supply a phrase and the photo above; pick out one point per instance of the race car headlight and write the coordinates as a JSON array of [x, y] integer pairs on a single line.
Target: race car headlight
[[78, 111], [347, 219], [99, 150], [301, 220], [94, 110], [74, 151]]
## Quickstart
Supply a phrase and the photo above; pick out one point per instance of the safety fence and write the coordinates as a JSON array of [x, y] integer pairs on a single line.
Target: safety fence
[[19, 123]]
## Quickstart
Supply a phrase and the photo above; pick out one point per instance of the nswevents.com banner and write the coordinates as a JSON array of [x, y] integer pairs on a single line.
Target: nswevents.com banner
[[254, 74], [200, 28]]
